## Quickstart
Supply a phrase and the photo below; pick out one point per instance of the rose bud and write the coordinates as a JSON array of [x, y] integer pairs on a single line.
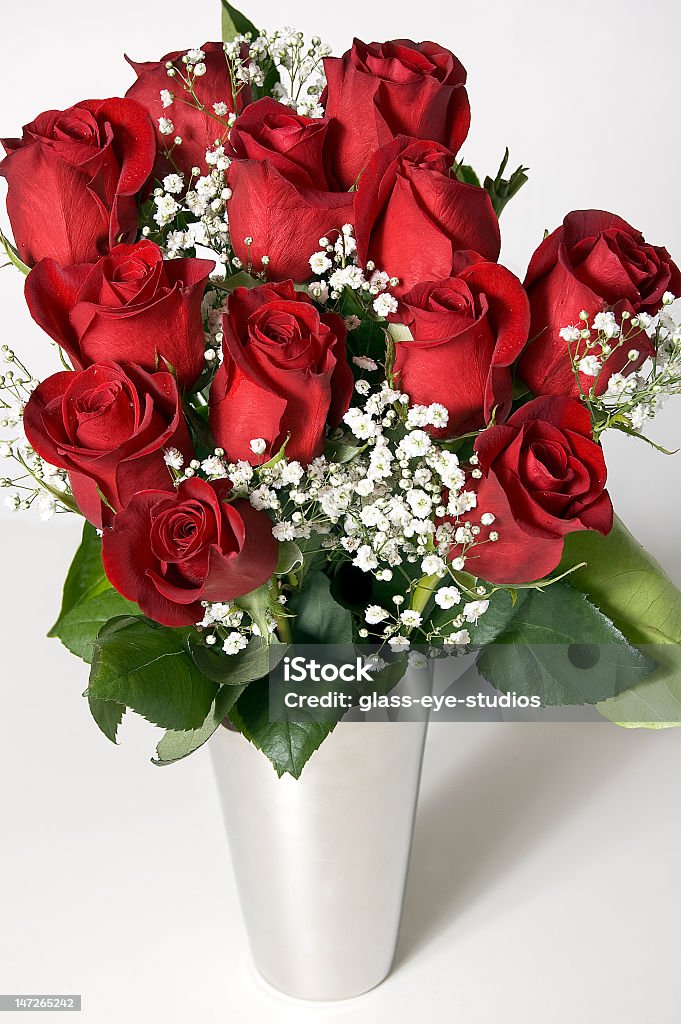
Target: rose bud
[[131, 306], [543, 476], [377, 91], [467, 332], [108, 426], [73, 180], [594, 262], [198, 129], [171, 551], [281, 202], [284, 374], [412, 214]]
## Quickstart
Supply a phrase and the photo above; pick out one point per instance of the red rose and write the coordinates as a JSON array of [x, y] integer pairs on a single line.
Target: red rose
[[543, 476], [198, 129], [74, 177], [170, 552], [412, 215], [284, 372], [594, 262], [281, 198], [467, 332], [108, 427], [380, 90], [292, 144], [131, 306]]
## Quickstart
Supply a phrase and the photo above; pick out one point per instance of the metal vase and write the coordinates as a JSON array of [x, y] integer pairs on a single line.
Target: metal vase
[[321, 862]]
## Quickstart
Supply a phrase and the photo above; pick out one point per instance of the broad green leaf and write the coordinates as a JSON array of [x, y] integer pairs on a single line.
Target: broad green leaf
[[634, 591], [89, 600], [288, 744], [121, 621], [150, 670], [85, 577], [234, 23], [290, 740], [174, 745], [237, 669], [108, 715], [560, 647], [319, 619], [79, 627]]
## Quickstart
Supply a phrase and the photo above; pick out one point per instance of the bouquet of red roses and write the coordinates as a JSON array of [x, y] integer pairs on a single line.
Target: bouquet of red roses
[[301, 401]]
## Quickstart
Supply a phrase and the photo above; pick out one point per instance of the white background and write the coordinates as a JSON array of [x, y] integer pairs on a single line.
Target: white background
[[544, 883]]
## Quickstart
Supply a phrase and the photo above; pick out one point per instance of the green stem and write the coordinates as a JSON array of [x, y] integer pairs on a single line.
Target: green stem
[[62, 498], [424, 590], [283, 623], [284, 629]]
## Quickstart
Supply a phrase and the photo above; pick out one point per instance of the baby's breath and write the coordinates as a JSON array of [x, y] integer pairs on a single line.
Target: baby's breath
[[626, 399], [27, 480]]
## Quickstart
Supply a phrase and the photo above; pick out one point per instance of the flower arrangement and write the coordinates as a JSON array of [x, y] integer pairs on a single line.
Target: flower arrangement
[[301, 401]]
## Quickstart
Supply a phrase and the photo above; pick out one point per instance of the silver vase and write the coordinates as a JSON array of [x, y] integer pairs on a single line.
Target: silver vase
[[321, 862]]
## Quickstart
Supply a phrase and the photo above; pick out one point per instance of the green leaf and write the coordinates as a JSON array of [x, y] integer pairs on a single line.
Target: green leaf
[[13, 254], [319, 619], [465, 173], [241, 280], [501, 190], [234, 23], [340, 452], [560, 647], [290, 739], [79, 627], [108, 715], [369, 339], [288, 744], [290, 558], [630, 587], [149, 669], [89, 600], [238, 669], [86, 577], [174, 746]]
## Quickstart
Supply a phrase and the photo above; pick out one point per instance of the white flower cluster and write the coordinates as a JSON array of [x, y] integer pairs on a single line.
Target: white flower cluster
[[232, 628], [29, 482], [386, 497], [634, 396], [192, 213], [298, 65], [189, 212], [183, 75], [337, 269], [212, 308]]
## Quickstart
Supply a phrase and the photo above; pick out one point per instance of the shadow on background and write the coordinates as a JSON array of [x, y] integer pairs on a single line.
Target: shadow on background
[[513, 785]]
